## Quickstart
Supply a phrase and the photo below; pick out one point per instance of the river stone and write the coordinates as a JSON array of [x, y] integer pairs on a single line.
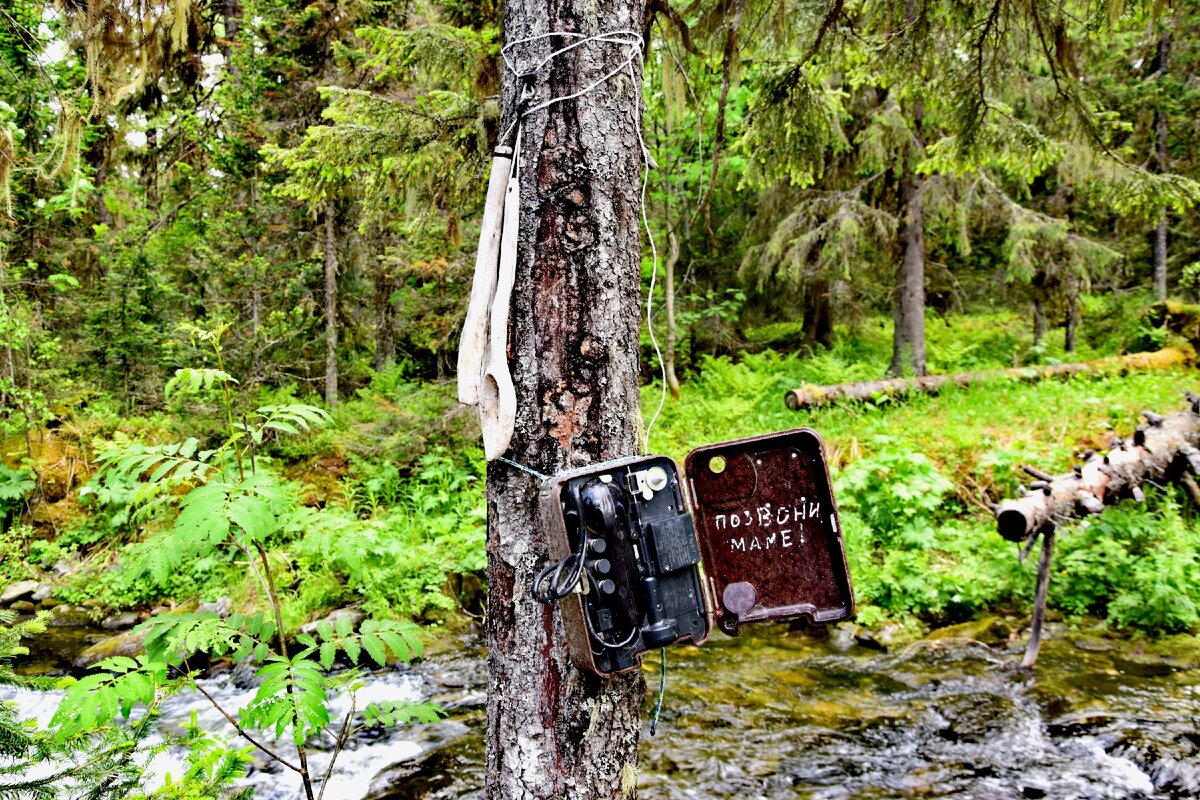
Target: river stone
[[21, 590], [129, 643], [976, 717], [23, 607], [888, 636], [991, 631], [222, 607], [841, 638], [120, 622], [68, 616], [450, 751], [1079, 723], [1170, 758], [1146, 665], [356, 618], [44, 592], [1092, 645]]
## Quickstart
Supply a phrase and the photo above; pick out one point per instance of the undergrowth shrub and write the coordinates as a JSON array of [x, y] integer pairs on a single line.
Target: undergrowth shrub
[[1135, 566], [906, 555], [395, 562]]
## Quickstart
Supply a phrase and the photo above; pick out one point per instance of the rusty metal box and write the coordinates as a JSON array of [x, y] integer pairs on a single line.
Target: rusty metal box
[[752, 535]]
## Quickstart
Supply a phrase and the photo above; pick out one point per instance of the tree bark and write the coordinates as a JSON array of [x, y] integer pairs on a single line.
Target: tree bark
[[1039, 600], [733, 24], [908, 337], [1039, 321], [552, 731], [818, 322], [331, 334], [1159, 451], [1160, 157], [385, 318], [231, 11], [672, 329], [1071, 326]]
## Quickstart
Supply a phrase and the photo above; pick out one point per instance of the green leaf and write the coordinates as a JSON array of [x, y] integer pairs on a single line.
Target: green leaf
[[375, 648], [328, 654]]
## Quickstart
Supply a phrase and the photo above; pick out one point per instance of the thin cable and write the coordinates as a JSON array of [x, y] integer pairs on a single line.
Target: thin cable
[[635, 45], [662, 689], [632, 38], [662, 367], [523, 468]]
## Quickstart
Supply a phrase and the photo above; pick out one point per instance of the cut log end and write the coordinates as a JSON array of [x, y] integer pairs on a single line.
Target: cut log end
[[1013, 524]]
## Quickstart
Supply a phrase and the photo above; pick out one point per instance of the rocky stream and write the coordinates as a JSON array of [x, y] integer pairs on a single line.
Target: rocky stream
[[779, 713]]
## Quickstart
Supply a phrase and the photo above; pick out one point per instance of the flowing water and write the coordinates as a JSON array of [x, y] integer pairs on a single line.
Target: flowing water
[[779, 714]]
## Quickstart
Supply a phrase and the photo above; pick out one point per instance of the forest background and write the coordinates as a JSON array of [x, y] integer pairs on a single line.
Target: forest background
[[269, 208]]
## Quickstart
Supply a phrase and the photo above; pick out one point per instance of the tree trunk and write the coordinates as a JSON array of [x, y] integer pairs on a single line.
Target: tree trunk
[[672, 331], [331, 335], [732, 24], [385, 319], [552, 731], [1072, 323], [818, 323], [810, 396], [1160, 156], [908, 337], [232, 14], [1039, 321]]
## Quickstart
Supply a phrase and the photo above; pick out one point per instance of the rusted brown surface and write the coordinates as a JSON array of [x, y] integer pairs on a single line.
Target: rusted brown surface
[[768, 530]]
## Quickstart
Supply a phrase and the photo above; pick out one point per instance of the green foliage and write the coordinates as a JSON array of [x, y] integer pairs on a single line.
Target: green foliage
[[216, 504], [15, 486], [96, 759], [896, 491], [793, 122], [1135, 566], [907, 557], [396, 561]]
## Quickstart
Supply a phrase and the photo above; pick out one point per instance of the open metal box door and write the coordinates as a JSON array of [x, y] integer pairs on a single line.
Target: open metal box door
[[768, 530]]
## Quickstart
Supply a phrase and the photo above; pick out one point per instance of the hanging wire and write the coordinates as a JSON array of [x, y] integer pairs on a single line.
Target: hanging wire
[[539, 475], [662, 690], [633, 41]]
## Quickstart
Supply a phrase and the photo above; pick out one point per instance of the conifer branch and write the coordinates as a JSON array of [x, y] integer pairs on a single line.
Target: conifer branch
[[831, 16]]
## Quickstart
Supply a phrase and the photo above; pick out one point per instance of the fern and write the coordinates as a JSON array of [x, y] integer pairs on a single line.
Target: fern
[[97, 761], [400, 712], [294, 419]]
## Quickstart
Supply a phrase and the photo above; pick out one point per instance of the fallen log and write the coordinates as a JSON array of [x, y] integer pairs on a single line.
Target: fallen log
[[1182, 319], [1164, 449], [811, 395]]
